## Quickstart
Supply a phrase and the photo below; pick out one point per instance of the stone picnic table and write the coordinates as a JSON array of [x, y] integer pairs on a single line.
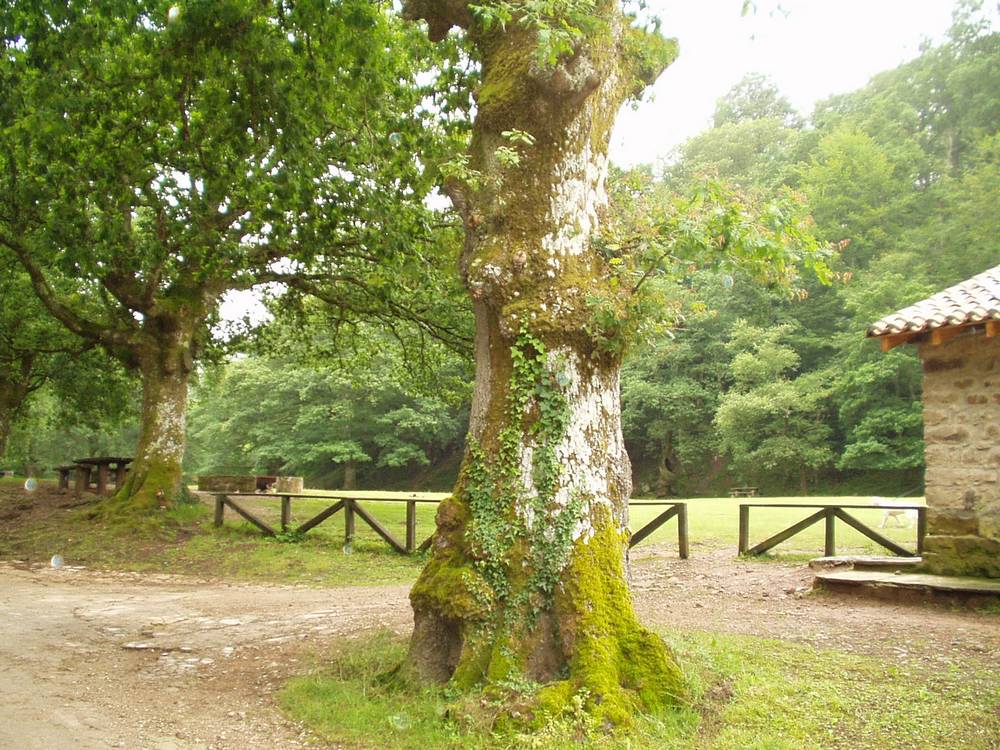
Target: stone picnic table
[[104, 465]]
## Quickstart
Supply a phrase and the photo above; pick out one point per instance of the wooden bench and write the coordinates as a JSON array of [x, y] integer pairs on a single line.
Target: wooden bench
[[743, 492], [102, 466]]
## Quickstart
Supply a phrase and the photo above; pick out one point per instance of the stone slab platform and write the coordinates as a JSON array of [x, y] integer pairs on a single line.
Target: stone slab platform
[[912, 585], [864, 562]]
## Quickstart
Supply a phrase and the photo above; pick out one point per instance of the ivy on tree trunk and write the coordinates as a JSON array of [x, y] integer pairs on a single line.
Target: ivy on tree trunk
[[527, 575]]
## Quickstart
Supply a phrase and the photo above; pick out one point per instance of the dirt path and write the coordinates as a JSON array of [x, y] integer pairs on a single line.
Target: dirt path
[[98, 660], [716, 592]]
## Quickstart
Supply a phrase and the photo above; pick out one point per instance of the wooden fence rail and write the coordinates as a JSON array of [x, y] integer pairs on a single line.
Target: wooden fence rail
[[828, 514], [350, 503]]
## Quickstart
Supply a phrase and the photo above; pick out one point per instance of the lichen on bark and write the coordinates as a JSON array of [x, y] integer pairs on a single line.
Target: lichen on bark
[[526, 578], [155, 475]]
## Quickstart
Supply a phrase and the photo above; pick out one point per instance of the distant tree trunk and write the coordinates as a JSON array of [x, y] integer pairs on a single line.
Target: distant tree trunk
[[803, 481], [6, 419], [350, 475], [15, 386], [527, 572]]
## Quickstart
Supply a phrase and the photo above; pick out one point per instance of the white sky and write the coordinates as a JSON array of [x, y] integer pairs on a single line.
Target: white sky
[[810, 48]]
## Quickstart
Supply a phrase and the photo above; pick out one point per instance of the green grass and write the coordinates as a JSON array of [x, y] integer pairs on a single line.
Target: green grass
[[748, 694], [190, 544]]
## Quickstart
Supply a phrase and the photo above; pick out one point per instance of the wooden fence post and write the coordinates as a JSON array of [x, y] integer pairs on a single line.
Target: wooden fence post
[[348, 523], [830, 542], [744, 544], [921, 530], [411, 525], [286, 512], [220, 508], [682, 532]]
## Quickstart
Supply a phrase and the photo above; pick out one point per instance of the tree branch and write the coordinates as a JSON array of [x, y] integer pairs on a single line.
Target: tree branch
[[440, 15], [70, 318]]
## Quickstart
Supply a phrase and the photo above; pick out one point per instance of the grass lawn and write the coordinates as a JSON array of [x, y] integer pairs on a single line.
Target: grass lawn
[[747, 694], [37, 525]]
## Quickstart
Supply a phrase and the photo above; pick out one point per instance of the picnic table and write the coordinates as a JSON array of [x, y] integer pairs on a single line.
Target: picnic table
[[743, 492], [102, 466]]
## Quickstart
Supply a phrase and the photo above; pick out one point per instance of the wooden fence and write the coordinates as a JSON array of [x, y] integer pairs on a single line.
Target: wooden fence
[[350, 503], [829, 514]]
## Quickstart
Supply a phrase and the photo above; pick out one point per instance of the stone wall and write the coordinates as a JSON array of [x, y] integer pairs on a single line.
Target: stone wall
[[227, 483], [962, 436]]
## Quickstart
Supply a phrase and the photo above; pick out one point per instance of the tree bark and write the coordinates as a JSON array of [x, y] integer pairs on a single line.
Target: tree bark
[[13, 393], [6, 419], [527, 576], [154, 481], [350, 475]]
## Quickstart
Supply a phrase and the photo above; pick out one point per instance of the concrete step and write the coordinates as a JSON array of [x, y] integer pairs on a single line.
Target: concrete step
[[864, 562], [961, 588]]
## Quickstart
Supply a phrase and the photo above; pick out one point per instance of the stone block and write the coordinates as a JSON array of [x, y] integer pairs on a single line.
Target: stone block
[[939, 396], [289, 484], [962, 475], [222, 483], [959, 497], [941, 364], [952, 522], [989, 526], [946, 435], [962, 555], [943, 454], [985, 363], [935, 417]]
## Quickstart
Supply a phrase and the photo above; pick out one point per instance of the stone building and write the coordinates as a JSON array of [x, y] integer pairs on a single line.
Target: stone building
[[957, 333]]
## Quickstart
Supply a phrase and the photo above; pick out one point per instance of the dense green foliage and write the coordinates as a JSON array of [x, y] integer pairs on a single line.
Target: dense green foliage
[[756, 387], [734, 382], [57, 395], [151, 163], [372, 422]]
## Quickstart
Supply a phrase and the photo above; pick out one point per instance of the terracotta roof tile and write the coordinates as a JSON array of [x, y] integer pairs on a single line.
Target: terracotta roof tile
[[972, 301]]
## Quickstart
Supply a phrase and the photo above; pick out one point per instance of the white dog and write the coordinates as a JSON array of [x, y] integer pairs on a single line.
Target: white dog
[[904, 517]]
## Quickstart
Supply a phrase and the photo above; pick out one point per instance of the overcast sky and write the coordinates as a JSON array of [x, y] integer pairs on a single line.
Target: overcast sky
[[810, 48]]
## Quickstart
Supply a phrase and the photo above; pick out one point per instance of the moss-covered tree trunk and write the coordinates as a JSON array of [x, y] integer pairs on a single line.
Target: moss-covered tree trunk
[[164, 356], [528, 569]]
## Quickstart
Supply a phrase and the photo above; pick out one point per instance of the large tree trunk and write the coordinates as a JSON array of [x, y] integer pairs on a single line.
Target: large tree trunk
[[154, 481], [528, 569]]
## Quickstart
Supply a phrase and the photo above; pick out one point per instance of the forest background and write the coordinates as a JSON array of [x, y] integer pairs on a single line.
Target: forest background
[[739, 384]]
